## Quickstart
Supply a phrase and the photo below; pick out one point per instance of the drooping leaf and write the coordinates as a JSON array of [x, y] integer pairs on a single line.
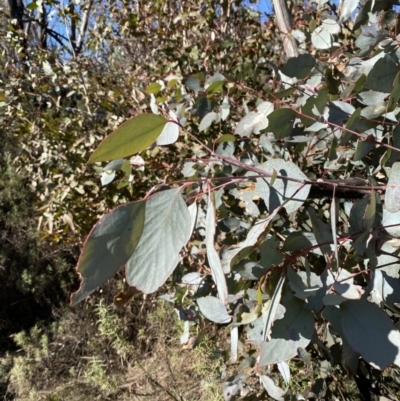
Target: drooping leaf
[[300, 66], [304, 286], [391, 219], [234, 337], [225, 108], [370, 332], [212, 255], [131, 137], [213, 309], [107, 177], [288, 334], [166, 230], [392, 195], [385, 289], [109, 246]]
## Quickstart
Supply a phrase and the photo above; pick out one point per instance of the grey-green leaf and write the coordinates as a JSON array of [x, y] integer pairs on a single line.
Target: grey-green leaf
[[383, 74], [109, 246], [295, 193], [370, 332], [167, 228], [288, 334], [213, 309], [299, 67]]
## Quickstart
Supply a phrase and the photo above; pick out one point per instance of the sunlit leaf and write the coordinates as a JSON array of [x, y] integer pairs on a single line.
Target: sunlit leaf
[[370, 332], [166, 230], [213, 309], [131, 137]]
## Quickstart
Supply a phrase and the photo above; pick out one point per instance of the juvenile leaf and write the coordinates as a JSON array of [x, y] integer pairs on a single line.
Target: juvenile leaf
[[392, 196], [295, 193], [166, 230], [213, 309], [321, 39], [131, 137], [212, 255], [109, 246], [299, 67], [383, 74], [207, 120], [260, 228], [252, 122], [331, 26], [288, 334], [281, 122], [371, 333]]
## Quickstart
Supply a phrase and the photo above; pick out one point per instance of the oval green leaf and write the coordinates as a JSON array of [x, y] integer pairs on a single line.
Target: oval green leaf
[[131, 137]]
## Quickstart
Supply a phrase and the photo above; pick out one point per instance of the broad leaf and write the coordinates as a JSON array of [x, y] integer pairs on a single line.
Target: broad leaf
[[166, 230], [321, 39], [131, 137], [213, 309], [370, 332], [208, 119], [281, 122], [289, 194], [259, 229], [253, 122], [288, 334], [299, 67], [383, 74], [109, 246]]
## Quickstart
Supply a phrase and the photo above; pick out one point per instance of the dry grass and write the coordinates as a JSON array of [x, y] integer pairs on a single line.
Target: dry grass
[[98, 351]]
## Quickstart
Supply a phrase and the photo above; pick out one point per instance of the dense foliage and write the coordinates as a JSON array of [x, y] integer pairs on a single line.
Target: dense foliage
[[266, 188]]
